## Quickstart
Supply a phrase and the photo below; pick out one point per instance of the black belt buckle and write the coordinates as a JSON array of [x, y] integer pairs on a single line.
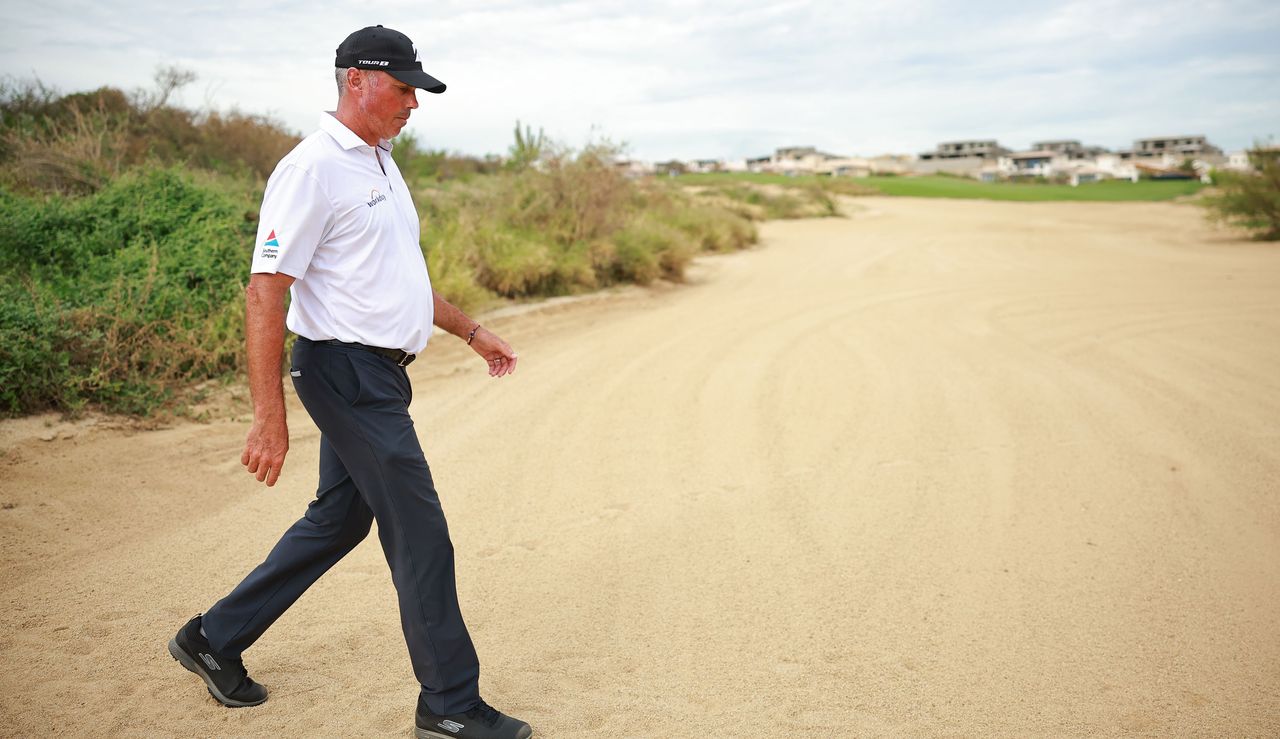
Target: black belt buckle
[[405, 358]]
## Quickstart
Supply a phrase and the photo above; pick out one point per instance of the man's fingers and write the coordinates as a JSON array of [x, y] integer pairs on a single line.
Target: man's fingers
[[263, 469], [503, 364]]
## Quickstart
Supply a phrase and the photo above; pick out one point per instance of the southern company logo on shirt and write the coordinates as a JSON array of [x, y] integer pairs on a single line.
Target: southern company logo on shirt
[[271, 246]]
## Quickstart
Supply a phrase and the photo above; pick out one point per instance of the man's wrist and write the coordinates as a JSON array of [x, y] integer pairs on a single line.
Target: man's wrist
[[471, 335], [270, 412]]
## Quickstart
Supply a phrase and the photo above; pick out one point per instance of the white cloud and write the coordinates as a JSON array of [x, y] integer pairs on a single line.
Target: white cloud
[[712, 77]]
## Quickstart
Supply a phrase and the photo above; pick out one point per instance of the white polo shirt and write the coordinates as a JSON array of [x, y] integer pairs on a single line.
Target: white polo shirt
[[347, 231]]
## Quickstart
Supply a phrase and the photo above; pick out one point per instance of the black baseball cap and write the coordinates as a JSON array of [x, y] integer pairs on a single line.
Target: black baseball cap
[[376, 47]]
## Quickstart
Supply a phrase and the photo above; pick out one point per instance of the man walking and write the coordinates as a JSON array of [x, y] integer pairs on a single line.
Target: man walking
[[338, 229]]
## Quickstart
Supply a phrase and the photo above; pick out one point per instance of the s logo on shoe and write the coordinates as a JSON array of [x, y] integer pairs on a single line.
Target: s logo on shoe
[[208, 660], [452, 726]]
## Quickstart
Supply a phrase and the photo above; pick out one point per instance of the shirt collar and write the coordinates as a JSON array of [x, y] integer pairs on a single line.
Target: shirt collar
[[345, 137]]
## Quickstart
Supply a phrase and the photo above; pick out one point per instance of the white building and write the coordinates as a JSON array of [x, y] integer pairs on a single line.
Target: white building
[[1111, 165], [1177, 146], [981, 148], [1038, 163], [1239, 161], [796, 160], [633, 168]]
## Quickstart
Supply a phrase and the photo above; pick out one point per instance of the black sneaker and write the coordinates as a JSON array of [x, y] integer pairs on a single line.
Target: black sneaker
[[225, 677], [481, 722]]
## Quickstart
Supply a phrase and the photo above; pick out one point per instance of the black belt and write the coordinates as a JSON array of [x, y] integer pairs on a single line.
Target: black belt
[[401, 358]]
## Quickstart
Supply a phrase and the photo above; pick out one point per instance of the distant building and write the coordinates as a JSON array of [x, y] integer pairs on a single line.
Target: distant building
[[1061, 166], [1039, 163], [1066, 147], [983, 148], [795, 152], [703, 165], [632, 168], [892, 163], [794, 160], [671, 168], [844, 167], [1184, 146], [1239, 160], [1113, 165], [1070, 148], [1086, 174]]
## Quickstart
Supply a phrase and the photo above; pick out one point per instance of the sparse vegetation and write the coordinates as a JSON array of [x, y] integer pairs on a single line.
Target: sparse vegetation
[[122, 296], [1250, 200], [770, 196]]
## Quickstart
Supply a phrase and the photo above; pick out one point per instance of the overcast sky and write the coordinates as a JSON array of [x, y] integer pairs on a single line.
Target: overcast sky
[[707, 78]]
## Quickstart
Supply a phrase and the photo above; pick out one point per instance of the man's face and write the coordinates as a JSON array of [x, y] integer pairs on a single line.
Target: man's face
[[385, 103]]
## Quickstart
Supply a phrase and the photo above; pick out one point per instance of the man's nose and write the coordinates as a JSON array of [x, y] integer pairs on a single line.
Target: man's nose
[[413, 100]]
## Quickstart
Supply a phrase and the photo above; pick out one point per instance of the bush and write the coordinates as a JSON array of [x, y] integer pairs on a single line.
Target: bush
[[1250, 200], [421, 165], [77, 143], [565, 223], [648, 248], [122, 297]]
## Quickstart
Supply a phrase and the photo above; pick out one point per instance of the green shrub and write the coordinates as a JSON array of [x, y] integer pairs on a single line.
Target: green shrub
[[567, 224], [512, 263], [426, 165], [714, 226], [35, 343], [1250, 200], [648, 247], [127, 294]]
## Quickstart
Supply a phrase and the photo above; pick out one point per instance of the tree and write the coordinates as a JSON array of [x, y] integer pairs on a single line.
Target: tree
[[1250, 200]]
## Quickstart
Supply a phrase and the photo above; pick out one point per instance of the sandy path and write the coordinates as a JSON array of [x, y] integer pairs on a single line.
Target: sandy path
[[944, 468]]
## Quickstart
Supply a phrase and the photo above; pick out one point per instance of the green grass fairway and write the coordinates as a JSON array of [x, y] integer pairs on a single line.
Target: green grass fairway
[[958, 187], [955, 187]]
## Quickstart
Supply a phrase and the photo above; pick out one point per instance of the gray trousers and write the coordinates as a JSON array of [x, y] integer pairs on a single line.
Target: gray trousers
[[371, 467]]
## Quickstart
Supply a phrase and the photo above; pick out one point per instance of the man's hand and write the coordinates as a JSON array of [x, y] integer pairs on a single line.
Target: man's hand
[[498, 353], [265, 448]]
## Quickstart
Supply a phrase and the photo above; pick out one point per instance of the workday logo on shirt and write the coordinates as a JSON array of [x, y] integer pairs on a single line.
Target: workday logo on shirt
[[375, 197], [270, 247]]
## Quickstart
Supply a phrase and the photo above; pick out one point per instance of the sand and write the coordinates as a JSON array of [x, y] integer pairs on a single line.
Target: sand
[[941, 468]]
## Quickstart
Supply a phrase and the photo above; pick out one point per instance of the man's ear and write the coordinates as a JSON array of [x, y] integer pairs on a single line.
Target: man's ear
[[355, 79]]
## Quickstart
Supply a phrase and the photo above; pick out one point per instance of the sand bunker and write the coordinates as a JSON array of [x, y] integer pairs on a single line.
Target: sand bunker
[[943, 468]]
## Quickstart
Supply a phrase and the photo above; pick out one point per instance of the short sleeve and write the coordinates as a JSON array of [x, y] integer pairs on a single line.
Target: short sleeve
[[295, 216]]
